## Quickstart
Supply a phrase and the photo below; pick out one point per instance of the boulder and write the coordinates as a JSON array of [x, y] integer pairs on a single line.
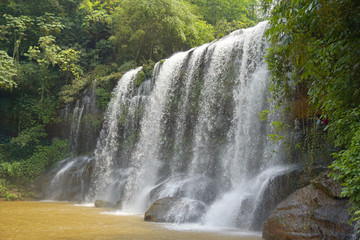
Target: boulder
[[309, 213], [171, 209], [118, 205], [278, 189], [200, 188], [103, 204], [36, 195], [324, 183]]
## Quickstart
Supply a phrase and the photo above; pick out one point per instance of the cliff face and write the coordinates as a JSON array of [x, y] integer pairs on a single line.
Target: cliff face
[[301, 108]]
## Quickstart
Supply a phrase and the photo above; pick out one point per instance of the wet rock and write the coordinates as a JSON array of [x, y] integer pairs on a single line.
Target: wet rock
[[69, 180], [309, 213], [103, 204], [200, 188], [172, 209], [118, 205], [324, 183], [36, 195], [278, 189]]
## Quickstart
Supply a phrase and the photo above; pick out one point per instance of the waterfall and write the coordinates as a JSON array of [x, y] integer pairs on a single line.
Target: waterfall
[[79, 122], [75, 126], [70, 179], [114, 145], [71, 176], [192, 132]]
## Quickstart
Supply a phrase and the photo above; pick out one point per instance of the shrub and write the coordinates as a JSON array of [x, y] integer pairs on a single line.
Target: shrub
[[43, 158], [11, 197], [37, 164]]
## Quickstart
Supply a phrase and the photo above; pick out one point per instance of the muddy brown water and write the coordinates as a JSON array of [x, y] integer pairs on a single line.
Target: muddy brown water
[[67, 221]]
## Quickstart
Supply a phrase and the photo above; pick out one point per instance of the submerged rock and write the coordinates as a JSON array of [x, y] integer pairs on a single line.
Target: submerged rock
[[172, 209], [103, 204], [310, 213]]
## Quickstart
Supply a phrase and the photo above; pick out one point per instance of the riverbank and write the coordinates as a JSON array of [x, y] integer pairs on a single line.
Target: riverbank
[[18, 190], [59, 220]]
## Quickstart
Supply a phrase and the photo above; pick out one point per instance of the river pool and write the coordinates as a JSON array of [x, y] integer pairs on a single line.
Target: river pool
[[68, 221]]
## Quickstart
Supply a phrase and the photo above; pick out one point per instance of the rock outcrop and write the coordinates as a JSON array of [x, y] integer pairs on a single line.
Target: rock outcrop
[[327, 185], [172, 209], [278, 189], [313, 212]]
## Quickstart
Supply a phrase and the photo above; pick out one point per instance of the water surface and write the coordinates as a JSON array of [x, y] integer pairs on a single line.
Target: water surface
[[59, 220]]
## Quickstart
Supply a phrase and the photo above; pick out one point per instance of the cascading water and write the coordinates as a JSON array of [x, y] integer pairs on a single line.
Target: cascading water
[[192, 132], [70, 178], [79, 123], [119, 133], [75, 126]]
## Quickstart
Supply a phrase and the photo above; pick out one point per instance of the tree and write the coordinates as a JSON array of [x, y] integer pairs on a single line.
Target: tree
[[153, 29], [319, 41], [14, 31], [227, 10], [7, 71], [228, 15]]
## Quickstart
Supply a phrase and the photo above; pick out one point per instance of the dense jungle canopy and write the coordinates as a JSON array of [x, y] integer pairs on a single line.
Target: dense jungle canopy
[[51, 50]]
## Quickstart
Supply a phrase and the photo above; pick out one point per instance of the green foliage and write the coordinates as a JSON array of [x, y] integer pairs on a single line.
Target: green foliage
[[140, 77], [5, 192], [96, 21], [215, 11], [35, 7], [153, 29], [29, 137], [35, 165], [103, 70], [104, 88], [29, 111], [347, 171], [25, 143], [7, 71], [102, 97], [49, 54], [278, 127], [127, 66], [148, 68], [68, 61], [318, 41], [3, 186], [11, 197], [107, 80], [43, 158], [14, 31], [70, 92], [10, 169], [25, 108], [224, 27], [49, 24]]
